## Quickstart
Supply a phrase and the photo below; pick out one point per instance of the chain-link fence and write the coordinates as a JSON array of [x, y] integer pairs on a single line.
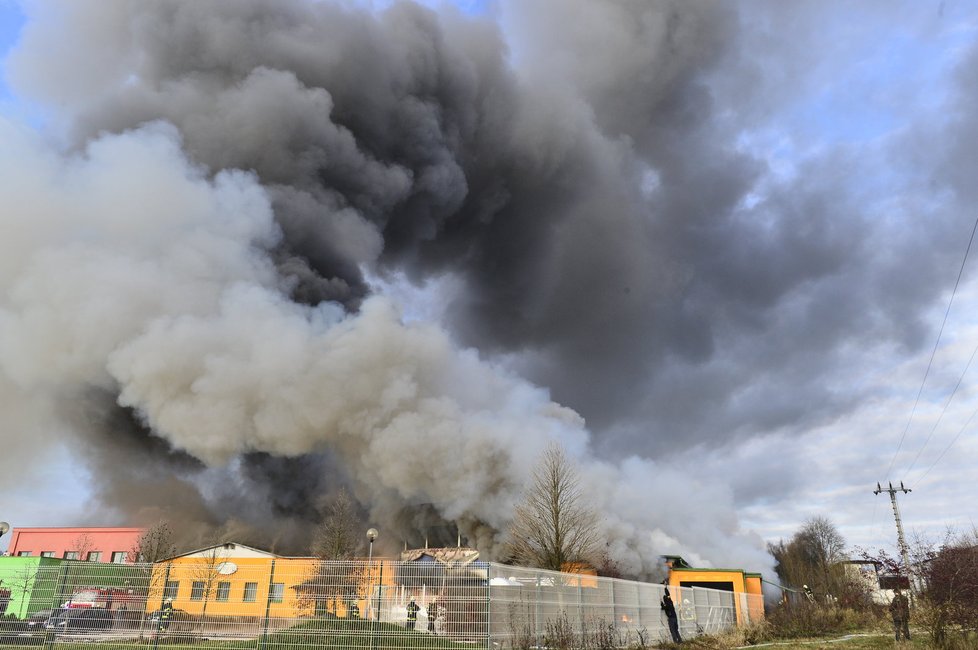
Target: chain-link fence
[[270, 604]]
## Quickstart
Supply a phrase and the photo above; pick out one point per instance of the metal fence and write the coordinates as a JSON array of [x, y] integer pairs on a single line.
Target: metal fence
[[272, 604], [534, 608]]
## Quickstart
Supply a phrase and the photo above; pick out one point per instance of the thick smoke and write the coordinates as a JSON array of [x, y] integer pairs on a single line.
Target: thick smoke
[[139, 272], [237, 184]]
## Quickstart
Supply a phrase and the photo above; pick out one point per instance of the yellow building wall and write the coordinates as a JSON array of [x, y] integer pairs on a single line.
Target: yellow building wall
[[289, 572], [587, 574], [678, 576], [756, 604]]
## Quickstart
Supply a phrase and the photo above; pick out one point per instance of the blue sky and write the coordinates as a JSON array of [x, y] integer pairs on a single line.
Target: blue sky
[[859, 99], [11, 21]]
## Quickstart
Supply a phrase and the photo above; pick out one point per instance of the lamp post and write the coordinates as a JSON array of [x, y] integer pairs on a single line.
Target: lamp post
[[371, 536]]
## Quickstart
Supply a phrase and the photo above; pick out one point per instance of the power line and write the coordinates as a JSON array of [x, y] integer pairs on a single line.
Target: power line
[[934, 351], [950, 444], [944, 410]]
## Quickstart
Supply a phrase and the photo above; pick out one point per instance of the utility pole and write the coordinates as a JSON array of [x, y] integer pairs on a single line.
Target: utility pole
[[901, 540]]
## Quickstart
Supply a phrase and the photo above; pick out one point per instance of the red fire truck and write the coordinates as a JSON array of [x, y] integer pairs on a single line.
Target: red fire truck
[[105, 598]]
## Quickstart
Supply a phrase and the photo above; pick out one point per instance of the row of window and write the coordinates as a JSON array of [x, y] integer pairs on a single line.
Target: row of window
[[222, 591], [118, 557]]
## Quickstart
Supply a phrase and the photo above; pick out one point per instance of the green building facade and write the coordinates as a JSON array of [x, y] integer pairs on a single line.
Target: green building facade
[[32, 583]]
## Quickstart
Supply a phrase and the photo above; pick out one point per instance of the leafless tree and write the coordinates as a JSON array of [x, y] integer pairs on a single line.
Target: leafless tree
[[554, 525], [154, 545], [813, 557], [205, 574], [340, 535], [337, 541], [83, 545], [949, 607]]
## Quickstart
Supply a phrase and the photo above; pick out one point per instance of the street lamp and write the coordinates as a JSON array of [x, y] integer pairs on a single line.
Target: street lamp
[[4, 527], [371, 536]]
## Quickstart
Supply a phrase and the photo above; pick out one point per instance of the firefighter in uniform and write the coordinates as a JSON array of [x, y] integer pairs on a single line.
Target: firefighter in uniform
[[166, 612], [412, 614]]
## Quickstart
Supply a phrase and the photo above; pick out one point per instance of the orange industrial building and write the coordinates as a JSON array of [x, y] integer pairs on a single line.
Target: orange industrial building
[[736, 581]]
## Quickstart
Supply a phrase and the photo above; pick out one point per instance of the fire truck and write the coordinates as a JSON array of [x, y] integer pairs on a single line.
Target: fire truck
[[112, 599]]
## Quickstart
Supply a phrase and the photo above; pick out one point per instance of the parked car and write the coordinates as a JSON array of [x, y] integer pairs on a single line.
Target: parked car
[[29, 631], [37, 620], [76, 620], [34, 624]]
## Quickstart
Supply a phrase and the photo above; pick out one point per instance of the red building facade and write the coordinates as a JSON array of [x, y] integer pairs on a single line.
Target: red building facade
[[91, 544]]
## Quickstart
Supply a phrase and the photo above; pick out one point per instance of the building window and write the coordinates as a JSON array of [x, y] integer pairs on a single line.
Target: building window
[[277, 592], [250, 592], [197, 590], [223, 590], [95, 556], [171, 589], [118, 557], [47, 553], [71, 555], [23, 553]]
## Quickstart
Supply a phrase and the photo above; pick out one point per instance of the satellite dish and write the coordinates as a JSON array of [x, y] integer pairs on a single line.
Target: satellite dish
[[4, 527], [227, 568]]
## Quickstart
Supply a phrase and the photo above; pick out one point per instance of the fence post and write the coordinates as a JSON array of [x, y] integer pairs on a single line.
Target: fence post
[[536, 613], [614, 614], [380, 590], [489, 606], [268, 607], [59, 592], [580, 608], [380, 594], [638, 606], [159, 620]]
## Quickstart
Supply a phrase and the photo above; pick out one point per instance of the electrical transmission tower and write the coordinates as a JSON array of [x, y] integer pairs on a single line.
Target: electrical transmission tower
[[901, 540]]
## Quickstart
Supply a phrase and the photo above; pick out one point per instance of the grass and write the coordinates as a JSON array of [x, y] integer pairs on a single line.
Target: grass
[[867, 639], [342, 634], [322, 634]]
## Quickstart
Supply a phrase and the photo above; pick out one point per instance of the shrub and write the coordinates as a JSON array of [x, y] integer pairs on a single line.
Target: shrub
[[806, 619], [940, 622], [560, 635]]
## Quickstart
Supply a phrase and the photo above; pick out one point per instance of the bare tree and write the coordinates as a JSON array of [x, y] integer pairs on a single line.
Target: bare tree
[[950, 607], [205, 574], [155, 544], [336, 543], [813, 557], [83, 545], [339, 536], [554, 525]]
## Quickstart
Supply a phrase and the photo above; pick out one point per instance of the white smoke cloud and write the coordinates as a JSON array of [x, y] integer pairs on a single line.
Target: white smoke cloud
[[128, 268]]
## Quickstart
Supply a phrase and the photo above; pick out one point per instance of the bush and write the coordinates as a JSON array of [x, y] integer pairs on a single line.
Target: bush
[[733, 638], [806, 619], [940, 622], [952, 582], [560, 635]]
